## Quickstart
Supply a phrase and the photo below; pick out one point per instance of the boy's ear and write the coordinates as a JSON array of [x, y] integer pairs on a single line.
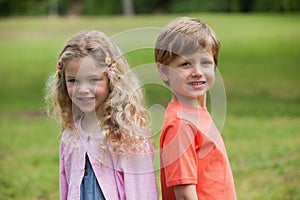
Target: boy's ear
[[163, 71]]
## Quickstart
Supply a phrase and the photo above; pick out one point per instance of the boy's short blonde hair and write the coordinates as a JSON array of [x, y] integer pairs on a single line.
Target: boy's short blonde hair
[[185, 35]]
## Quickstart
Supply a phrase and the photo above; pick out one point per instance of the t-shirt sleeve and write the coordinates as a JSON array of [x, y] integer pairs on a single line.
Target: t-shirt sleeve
[[178, 155]]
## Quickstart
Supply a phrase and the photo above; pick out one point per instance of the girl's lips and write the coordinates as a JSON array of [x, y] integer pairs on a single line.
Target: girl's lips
[[86, 99]]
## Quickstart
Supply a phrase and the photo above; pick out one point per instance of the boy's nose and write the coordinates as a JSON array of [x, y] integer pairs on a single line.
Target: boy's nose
[[197, 71]]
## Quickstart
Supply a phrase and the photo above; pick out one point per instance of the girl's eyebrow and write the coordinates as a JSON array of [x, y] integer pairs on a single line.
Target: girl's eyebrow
[[69, 76], [93, 75]]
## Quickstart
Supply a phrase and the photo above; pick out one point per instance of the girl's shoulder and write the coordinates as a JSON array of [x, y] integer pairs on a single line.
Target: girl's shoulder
[[73, 130], [68, 135]]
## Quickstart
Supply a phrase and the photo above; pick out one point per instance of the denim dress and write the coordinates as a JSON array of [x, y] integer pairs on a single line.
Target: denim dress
[[89, 188]]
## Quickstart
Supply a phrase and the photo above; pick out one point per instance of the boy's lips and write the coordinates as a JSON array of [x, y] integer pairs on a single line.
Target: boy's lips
[[197, 83]]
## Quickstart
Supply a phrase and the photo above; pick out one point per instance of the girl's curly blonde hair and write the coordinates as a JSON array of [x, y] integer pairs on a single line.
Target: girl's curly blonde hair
[[123, 116]]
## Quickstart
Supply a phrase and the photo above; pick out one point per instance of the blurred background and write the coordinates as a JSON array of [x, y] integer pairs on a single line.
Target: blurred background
[[130, 7], [258, 62]]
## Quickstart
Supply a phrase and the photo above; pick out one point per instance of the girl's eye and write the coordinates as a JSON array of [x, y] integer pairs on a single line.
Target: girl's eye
[[72, 81], [93, 80]]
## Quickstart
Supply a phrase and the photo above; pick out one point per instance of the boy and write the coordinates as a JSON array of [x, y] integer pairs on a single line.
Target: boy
[[194, 162]]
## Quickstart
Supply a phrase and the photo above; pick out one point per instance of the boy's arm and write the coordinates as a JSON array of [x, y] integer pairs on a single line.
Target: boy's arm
[[185, 192], [179, 159]]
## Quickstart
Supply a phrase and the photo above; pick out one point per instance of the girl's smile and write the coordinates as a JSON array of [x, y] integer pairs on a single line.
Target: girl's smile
[[86, 100], [87, 83]]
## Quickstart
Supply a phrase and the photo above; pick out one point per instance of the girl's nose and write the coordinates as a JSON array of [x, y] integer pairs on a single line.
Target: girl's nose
[[83, 88]]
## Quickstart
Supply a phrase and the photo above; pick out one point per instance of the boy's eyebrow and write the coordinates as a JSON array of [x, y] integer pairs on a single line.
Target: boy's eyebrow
[[206, 58]]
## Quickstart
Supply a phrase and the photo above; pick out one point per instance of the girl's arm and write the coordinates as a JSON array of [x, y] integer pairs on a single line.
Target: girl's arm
[[136, 177], [185, 192], [62, 175]]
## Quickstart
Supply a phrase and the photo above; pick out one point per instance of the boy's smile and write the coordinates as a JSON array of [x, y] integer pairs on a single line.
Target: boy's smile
[[190, 76], [197, 84]]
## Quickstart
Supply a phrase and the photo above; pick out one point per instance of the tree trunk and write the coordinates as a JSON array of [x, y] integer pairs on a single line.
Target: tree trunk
[[127, 6]]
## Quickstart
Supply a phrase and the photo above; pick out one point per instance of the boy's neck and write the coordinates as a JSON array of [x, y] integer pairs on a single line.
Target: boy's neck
[[193, 102]]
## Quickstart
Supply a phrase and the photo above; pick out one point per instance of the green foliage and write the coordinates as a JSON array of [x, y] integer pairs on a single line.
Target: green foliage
[[199, 6], [101, 7], [63, 6], [98, 7], [26, 7], [276, 5]]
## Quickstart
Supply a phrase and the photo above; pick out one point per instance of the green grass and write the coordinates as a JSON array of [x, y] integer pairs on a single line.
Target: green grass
[[264, 156], [28, 158], [258, 63]]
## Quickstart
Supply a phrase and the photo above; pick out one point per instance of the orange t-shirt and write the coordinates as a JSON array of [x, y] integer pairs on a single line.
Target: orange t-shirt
[[193, 152]]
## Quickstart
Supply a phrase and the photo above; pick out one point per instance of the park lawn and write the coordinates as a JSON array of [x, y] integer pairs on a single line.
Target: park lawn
[[264, 156], [259, 64]]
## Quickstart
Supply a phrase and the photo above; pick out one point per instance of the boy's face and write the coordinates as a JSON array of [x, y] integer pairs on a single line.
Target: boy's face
[[190, 76]]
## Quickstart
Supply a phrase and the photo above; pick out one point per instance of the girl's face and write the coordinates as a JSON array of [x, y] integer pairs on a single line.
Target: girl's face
[[87, 83]]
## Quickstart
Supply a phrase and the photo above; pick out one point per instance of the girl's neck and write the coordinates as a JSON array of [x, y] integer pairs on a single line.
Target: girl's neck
[[90, 123]]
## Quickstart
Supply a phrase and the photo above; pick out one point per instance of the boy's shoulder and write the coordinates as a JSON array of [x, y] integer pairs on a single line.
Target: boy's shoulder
[[178, 113], [178, 116]]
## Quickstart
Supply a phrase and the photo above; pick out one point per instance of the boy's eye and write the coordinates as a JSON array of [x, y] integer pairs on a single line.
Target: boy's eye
[[185, 64], [207, 62]]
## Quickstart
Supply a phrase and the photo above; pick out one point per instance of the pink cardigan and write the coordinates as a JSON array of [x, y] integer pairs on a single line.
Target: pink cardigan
[[131, 177]]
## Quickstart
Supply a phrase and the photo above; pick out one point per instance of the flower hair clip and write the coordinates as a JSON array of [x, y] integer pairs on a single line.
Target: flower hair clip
[[59, 67], [111, 65]]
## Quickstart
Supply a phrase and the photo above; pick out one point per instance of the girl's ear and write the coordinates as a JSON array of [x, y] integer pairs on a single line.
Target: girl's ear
[[163, 71]]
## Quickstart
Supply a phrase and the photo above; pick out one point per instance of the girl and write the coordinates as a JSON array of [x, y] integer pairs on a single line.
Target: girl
[[104, 150]]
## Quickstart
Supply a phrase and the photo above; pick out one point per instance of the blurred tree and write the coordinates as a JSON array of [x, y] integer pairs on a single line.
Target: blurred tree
[[246, 5], [102, 7], [5, 8], [276, 5], [53, 7], [160, 6], [75, 7], [63, 6], [184, 6], [127, 7], [145, 6], [234, 5]]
